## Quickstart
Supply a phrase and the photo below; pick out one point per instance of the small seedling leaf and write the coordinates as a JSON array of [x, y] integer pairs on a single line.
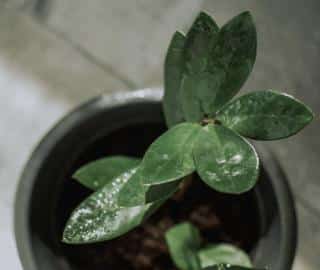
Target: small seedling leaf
[[223, 253], [184, 242]]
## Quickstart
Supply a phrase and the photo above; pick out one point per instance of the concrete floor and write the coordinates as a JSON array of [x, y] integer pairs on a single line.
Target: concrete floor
[[56, 54]]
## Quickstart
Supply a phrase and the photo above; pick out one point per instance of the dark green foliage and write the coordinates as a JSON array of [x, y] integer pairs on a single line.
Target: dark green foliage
[[173, 72], [216, 64], [97, 174], [265, 115], [204, 70]]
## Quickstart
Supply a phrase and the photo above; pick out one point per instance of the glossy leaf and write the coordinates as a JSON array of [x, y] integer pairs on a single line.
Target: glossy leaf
[[170, 157], [223, 253], [99, 217], [198, 84], [265, 115], [222, 65], [229, 267], [135, 193], [184, 241], [199, 42], [96, 174], [233, 57], [225, 161], [197, 93], [173, 70]]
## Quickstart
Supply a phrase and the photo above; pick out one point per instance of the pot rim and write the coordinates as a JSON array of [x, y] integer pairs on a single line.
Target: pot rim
[[24, 189]]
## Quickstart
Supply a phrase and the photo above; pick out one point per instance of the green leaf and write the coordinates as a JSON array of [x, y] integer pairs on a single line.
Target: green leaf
[[233, 57], [223, 253], [221, 63], [197, 91], [96, 174], [134, 193], [173, 69], [99, 218], [228, 267], [198, 84], [225, 161], [200, 39], [170, 157], [265, 115], [184, 241]]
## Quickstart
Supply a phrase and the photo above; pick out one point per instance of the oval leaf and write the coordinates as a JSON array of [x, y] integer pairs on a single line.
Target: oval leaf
[[198, 84], [184, 241], [223, 253], [134, 193], [99, 218], [173, 70], [170, 157], [96, 174], [225, 161], [200, 39], [265, 115], [232, 58]]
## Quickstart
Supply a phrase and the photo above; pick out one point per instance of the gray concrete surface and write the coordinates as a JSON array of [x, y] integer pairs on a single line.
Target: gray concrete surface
[[56, 54]]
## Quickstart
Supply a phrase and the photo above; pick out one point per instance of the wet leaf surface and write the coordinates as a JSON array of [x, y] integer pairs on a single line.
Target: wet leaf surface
[[100, 218], [184, 241], [96, 174], [225, 161], [265, 115], [223, 253]]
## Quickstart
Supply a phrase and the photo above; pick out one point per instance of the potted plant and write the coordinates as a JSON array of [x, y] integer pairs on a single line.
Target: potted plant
[[153, 196]]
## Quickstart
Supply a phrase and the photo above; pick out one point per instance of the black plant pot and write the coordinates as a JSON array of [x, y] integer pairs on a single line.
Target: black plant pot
[[43, 199]]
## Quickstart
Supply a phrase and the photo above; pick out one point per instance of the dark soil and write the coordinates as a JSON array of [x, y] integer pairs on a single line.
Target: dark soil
[[220, 217]]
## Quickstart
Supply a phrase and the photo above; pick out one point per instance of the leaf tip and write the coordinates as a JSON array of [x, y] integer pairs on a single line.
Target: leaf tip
[[204, 14], [178, 34], [66, 235], [311, 116], [205, 19], [246, 14]]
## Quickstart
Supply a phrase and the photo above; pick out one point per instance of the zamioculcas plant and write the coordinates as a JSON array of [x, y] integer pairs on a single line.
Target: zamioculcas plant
[[204, 70]]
